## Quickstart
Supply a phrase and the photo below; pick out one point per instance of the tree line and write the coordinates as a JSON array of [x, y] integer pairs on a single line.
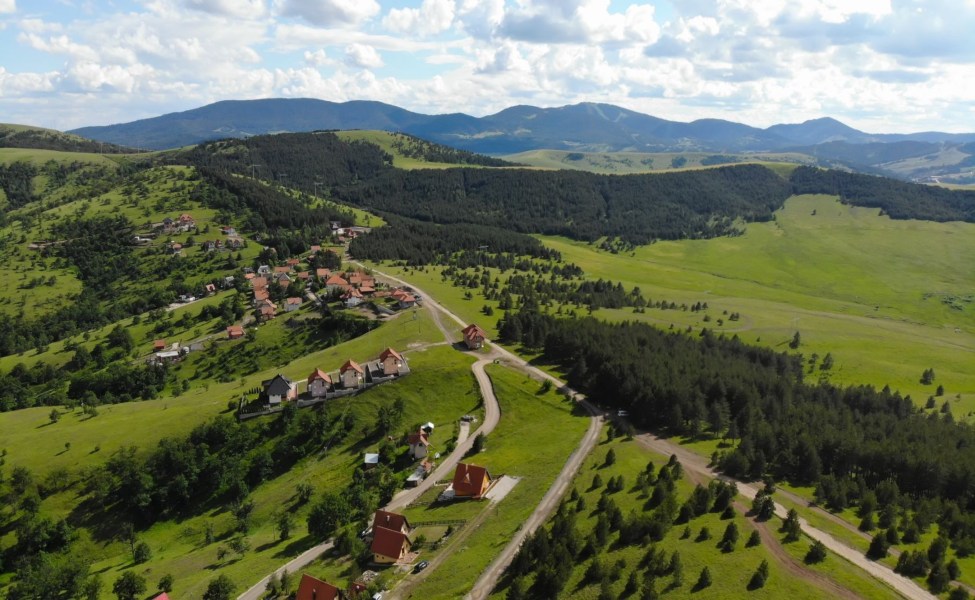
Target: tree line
[[851, 442]]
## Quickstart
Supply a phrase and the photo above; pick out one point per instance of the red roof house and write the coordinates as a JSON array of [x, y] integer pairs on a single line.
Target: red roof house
[[471, 481], [419, 444], [235, 332], [319, 383], [392, 361], [474, 336], [162, 596], [352, 374], [391, 520], [388, 545], [315, 589], [158, 345]]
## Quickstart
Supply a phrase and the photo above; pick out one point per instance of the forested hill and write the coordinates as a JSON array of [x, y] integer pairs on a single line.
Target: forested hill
[[16, 136], [897, 199], [636, 208]]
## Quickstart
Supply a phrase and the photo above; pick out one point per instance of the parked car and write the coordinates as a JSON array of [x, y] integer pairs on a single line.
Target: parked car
[[420, 566]]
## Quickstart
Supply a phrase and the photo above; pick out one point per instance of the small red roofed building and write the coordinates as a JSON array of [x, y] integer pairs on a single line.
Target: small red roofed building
[[162, 596], [259, 283], [391, 520], [292, 304], [235, 332], [283, 269], [336, 282], [419, 444], [392, 361], [470, 481], [267, 310], [292, 262], [186, 219], [474, 336], [319, 383], [310, 588], [403, 298], [389, 546], [210, 288], [158, 345], [352, 375], [323, 274]]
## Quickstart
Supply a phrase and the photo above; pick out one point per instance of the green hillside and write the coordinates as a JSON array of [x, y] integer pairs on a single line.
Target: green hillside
[[410, 152], [626, 163]]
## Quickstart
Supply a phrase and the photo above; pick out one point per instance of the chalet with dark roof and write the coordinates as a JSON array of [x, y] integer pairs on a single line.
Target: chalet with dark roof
[[278, 389], [389, 546]]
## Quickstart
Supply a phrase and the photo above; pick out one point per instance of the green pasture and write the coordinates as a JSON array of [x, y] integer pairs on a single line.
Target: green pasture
[[628, 163], [384, 139], [886, 298], [39, 157]]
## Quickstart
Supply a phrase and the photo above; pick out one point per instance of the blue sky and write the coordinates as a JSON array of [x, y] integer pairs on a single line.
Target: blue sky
[[879, 65]]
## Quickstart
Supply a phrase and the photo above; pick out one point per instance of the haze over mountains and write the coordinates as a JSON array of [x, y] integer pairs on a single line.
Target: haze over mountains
[[581, 127]]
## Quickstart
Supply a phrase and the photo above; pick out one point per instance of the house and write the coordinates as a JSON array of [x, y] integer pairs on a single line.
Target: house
[[352, 298], [264, 270], [235, 332], [314, 249], [323, 274], [279, 388], [226, 230], [279, 270], [158, 345], [259, 283], [303, 275], [267, 311], [391, 520], [419, 444], [292, 262], [234, 242], [351, 374], [389, 546], [292, 304], [392, 361], [283, 279], [474, 336], [315, 589], [319, 383], [185, 220], [175, 248], [336, 225], [210, 288], [419, 474], [470, 481], [403, 298], [260, 295], [336, 282]]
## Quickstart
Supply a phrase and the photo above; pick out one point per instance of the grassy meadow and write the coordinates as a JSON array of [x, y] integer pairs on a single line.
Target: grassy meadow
[[628, 163], [385, 139], [886, 298]]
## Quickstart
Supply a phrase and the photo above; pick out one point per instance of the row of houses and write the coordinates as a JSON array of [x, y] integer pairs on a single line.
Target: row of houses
[[351, 377]]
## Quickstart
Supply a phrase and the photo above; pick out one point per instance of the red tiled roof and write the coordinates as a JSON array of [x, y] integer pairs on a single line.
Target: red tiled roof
[[469, 479], [292, 262], [420, 437], [390, 520], [282, 269], [387, 542], [319, 374], [336, 280], [390, 352], [472, 331], [260, 294], [315, 589], [293, 300], [162, 596], [322, 272], [235, 330], [352, 293], [159, 344], [250, 276], [259, 282], [351, 364]]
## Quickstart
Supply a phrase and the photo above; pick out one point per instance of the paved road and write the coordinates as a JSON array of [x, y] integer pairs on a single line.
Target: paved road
[[902, 585]]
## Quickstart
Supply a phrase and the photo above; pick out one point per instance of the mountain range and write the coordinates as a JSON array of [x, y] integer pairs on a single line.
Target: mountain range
[[585, 127]]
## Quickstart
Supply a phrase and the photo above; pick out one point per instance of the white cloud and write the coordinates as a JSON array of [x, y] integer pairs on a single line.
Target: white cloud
[[59, 44], [330, 13], [363, 56], [579, 21], [433, 16], [318, 58], [243, 9], [8, 6]]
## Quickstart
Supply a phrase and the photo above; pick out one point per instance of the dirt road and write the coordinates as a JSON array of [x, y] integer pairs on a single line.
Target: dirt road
[[693, 462]]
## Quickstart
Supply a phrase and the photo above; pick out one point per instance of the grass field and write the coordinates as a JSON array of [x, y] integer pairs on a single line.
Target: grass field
[[39, 157], [627, 163], [384, 140], [730, 571], [887, 298]]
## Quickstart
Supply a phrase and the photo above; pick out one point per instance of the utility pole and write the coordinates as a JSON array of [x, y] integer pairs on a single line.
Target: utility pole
[[253, 169]]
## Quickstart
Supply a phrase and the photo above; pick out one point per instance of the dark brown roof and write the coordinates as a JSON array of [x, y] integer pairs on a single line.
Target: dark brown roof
[[469, 479], [316, 589], [388, 542], [390, 520]]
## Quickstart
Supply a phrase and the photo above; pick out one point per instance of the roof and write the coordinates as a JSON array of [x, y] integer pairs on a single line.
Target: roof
[[278, 386], [293, 300], [420, 437], [260, 294], [468, 479], [282, 269], [268, 310], [336, 280], [315, 589], [322, 272], [351, 364], [352, 293], [159, 344], [390, 520], [371, 458], [162, 596], [388, 542], [319, 374], [472, 331], [390, 352], [259, 282], [235, 330]]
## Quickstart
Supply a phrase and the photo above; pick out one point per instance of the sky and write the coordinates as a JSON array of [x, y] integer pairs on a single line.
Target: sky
[[878, 65]]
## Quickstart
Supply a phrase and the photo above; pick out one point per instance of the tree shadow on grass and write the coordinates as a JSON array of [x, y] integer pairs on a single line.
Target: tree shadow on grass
[[296, 547]]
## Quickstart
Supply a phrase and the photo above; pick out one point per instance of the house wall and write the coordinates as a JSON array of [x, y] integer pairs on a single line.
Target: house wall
[[350, 379], [317, 388]]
